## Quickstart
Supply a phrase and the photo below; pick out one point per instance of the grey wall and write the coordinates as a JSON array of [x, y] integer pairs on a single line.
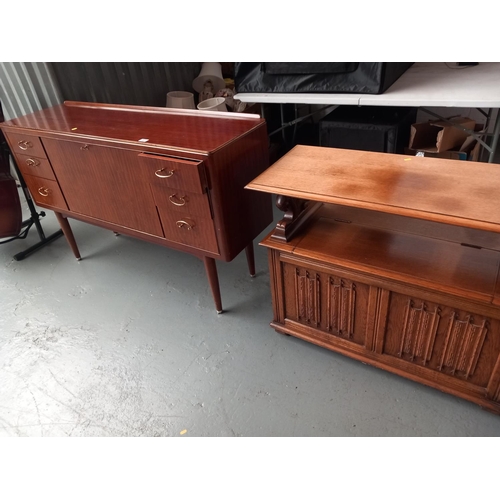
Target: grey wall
[[139, 83]]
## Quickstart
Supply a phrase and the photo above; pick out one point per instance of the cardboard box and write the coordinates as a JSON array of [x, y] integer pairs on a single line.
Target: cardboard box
[[437, 136], [450, 155], [438, 139]]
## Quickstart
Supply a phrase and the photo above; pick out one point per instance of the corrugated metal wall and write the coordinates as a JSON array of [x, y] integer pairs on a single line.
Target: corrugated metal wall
[[27, 87], [140, 83]]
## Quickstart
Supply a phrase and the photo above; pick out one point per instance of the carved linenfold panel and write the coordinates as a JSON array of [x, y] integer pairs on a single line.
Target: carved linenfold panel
[[431, 341], [463, 344], [307, 295], [341, 302], [419, 332], [377, 309]]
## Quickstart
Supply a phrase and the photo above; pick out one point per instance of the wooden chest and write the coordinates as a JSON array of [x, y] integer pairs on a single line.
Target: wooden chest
[[391, 260]]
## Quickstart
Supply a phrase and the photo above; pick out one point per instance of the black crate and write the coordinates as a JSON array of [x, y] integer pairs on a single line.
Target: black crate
[[372, 128]]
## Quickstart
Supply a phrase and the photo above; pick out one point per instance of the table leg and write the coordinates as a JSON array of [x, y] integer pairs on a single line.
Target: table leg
[[213, 280], [250, 259], [496, 133], [66, 228]]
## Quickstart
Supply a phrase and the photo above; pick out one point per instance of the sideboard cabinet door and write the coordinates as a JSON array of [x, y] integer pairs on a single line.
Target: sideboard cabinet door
[[105, 183]]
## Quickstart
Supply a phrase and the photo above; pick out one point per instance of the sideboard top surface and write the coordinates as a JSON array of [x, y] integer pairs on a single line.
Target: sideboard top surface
[[201, 131], [455, 192]]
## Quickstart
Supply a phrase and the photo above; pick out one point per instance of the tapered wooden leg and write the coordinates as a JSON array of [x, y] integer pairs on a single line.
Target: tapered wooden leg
[[250, 259], [68, 233], [213, 279]]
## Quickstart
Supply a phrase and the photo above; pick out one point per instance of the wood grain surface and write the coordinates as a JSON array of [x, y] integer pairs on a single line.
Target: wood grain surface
[[451, 191]]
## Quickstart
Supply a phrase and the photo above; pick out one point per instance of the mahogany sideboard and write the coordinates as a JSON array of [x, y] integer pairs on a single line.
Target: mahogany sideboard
[[391, 260], [172, 177]]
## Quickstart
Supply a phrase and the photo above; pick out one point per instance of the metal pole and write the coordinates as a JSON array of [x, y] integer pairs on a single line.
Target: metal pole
[[496, 133]]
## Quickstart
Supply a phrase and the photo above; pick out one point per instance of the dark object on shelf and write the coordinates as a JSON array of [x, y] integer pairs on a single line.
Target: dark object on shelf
[[344, 77], [372, 128]]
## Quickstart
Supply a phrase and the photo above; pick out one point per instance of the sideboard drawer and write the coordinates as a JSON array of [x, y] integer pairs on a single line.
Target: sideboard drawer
[[182, 202], [31, 165], [189, 230], [174, 172], [45, 192], [26, 144]]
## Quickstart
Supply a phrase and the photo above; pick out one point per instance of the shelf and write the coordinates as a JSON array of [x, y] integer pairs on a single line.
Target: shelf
[[447, 191]]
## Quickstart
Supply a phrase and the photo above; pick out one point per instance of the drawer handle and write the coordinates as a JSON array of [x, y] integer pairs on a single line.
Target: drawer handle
[[177, 201], [32, 163], [24, 145], [44, 191], [183, 224], [159, 174], [85, 147]]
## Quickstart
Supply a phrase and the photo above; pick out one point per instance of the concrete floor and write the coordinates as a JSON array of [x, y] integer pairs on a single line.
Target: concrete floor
[[127, 342]]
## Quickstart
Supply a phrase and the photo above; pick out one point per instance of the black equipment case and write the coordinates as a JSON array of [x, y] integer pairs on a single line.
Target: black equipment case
[[318, 77]]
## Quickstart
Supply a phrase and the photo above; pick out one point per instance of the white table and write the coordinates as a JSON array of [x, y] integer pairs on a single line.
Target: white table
[[422, 85]]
